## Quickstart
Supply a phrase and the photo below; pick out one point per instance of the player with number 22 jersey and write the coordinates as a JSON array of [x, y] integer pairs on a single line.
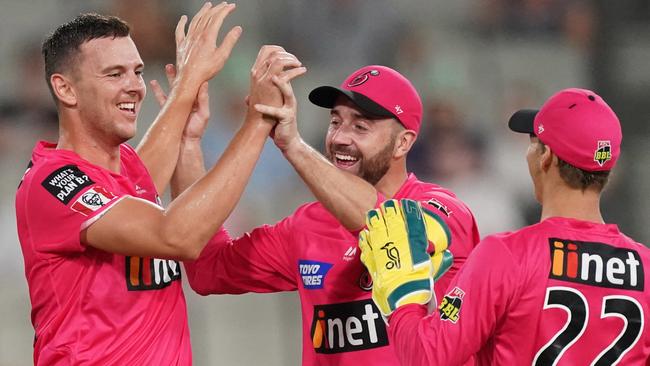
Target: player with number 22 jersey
[[588, 278], [569, 290]]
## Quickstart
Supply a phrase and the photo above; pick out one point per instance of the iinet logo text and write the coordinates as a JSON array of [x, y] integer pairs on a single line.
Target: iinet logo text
[[596, 264], [347, 327]]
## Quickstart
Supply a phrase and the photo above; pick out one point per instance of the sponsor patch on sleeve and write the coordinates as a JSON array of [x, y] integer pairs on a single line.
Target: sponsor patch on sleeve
[[440, 206], [313, 273], [66, 182], [92, 200], [29, 166], [450, 305]]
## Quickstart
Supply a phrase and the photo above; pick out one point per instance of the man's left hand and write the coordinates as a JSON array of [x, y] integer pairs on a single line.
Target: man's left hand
[[394, 249]]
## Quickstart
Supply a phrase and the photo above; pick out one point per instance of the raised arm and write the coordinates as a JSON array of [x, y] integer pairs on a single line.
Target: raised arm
[[190, 166], [197, 60], [136, 227], [345, 195], [271, 60]]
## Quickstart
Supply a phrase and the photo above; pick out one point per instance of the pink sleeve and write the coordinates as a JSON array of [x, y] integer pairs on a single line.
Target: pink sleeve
[[467, 316], [60, 202], [258, 261]]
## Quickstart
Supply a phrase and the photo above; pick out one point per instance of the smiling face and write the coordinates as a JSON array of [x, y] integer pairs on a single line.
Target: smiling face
[[109, 87], [359, 144]]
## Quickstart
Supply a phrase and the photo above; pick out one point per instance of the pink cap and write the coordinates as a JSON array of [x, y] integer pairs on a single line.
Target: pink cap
[[578, 126], [379, 91]]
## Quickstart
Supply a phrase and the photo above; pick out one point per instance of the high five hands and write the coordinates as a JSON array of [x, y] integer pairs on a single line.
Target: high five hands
[[273, 67], [197, 55], [198, 59]]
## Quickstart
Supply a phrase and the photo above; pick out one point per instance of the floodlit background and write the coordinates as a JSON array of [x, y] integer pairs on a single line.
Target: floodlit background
[[473, 61]]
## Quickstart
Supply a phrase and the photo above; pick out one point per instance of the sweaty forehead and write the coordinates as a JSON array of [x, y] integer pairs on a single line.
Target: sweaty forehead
[[108, 51]]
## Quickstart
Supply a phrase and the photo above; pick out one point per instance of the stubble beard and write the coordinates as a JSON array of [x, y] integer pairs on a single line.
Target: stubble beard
[[374, 168]]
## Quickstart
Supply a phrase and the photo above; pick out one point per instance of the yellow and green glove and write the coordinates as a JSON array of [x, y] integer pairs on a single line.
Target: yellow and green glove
[[439, 242], [400, 255]]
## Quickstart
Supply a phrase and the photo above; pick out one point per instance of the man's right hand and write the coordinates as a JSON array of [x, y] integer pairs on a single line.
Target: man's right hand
[[198, 59], [197, 121], [285, 134], [271, 61]]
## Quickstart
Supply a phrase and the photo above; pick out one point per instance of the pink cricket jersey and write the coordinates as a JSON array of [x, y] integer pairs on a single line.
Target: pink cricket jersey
[[561, 292], [91, 306], [311, 252]]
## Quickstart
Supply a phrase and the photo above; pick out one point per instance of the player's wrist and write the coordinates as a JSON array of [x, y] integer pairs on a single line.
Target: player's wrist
[[190, 142], [186, 86], [258, 122], [294, 147]]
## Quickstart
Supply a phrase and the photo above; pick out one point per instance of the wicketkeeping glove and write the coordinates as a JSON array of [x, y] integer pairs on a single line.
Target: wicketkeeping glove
[[395, 249], [439, 241]]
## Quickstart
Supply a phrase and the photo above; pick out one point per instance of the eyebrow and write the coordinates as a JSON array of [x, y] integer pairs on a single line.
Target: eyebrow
[[120, 67], [354, 113]]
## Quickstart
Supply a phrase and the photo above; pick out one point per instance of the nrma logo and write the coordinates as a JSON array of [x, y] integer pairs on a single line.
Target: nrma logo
[[313, 273], [347, 327], [596, 264]]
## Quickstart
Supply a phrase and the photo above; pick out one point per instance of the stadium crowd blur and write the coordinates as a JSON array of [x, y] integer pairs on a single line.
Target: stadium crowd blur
[[473, 61]]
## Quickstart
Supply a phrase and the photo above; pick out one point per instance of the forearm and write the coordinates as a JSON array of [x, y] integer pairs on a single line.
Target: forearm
[[159, 148], [197, 61], [404, 335], [134, 226], [212, 198], [345, 195], [189, 168]]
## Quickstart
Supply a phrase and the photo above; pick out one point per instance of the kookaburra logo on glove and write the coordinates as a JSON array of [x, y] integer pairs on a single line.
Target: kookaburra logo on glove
[[393, 255], [404, 248]]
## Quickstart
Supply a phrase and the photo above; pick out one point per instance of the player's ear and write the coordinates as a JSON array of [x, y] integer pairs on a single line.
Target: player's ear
[[404, 141], [63, 89], [546, 159]]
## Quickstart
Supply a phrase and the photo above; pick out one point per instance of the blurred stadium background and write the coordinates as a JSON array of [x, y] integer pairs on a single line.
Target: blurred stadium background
[[473, 61]]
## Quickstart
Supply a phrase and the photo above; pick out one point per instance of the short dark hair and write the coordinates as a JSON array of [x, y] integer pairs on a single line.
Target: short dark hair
[[62, 45], [581, 179]]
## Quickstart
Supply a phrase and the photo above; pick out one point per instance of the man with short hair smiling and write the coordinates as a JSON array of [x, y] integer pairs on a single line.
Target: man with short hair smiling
[[100, 252]]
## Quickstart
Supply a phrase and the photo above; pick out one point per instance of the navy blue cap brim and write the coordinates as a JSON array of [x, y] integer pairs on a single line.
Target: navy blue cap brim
[[326, 96], [523, 121]]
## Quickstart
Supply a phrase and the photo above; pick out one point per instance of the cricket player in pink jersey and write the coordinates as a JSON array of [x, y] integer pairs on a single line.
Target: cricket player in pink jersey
[[89, 221], [375, 116], [569, 290]]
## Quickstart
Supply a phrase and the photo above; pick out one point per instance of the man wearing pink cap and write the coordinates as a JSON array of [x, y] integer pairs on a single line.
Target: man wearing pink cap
[[569, 290], [374, 120]]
